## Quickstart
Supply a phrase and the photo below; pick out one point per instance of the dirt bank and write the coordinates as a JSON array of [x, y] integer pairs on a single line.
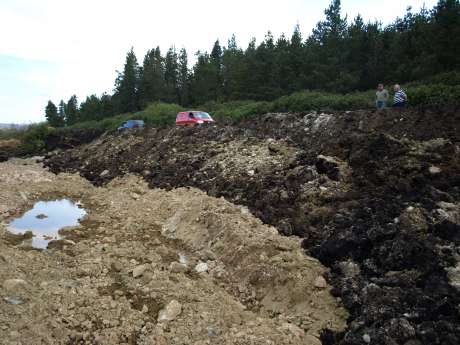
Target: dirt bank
[[375, 195], [150, 266]]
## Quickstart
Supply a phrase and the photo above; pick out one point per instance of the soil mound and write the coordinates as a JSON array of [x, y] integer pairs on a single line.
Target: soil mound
[[375, 195], [150, 266]]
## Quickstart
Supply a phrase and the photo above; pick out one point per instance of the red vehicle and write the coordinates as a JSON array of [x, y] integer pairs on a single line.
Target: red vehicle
[[190, 118]]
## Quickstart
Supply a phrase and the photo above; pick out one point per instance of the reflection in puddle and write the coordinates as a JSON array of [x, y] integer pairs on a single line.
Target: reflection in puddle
[[46, 218]]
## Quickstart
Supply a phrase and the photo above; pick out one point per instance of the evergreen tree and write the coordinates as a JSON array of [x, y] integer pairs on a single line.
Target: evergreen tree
[[61, 114], [284, 73], [446, 34], [232, 71], [51, 114], [171, 76], [91, 109], [250, 82], [107, 106], [328, 44], [215, 60], [152, 83], [266, 83], [71, 111], [127, 85], [202, 80], [183, 77], [296, 62]]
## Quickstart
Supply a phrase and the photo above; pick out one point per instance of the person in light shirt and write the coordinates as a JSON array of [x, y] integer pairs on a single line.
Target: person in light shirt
[[381, 97]]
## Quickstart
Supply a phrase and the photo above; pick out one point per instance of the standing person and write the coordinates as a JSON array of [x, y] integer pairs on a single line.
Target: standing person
[[381, 97], [400, 97]]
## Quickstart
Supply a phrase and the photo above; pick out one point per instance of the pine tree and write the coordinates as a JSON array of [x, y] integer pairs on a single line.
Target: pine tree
[[107, 106], [171, 76], [283, 72], [215, 60], [203, 80], [51, 114], [152, 83], [71, 111], [232, 71], [296, 62], [327, 43], [446, 33], [91, 109], [127, 85], [183, 78], [60, 122], [265, 70]]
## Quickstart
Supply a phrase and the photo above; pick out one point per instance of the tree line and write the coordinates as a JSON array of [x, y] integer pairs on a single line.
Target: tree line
[[338, 56]]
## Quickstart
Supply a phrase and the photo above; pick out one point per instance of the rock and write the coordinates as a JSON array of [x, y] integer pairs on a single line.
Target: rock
[[434, 170], [349, 268], [212, 332], [104, 173], [413, 218], [367, 338], [170, 312], [320, 282], [23, 196], [453, 273], [333, 167], [251, 172], [294, 330], [116, 266], [177, 267], [14, 284], [201, 267], [13, 300], [139, 270], [401, 329], [41, 216]]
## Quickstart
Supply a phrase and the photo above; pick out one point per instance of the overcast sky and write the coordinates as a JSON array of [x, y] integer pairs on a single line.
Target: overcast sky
[[52, 49]]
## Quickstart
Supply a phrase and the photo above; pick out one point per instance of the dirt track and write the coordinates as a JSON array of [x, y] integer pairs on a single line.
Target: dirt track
[[120, 278], [375, 195]]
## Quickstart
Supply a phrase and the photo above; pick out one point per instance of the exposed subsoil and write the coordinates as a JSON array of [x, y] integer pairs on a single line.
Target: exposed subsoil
[[150, 266], [375, 195]]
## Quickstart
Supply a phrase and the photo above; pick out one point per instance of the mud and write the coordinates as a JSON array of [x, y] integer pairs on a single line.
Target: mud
[[374, 195], [129, 274]]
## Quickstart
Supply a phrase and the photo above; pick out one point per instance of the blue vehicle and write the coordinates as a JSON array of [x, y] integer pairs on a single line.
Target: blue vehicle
[[131, 124]]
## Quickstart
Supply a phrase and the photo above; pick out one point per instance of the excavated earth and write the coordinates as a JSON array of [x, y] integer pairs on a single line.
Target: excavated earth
[[374, 195], [150, 266]]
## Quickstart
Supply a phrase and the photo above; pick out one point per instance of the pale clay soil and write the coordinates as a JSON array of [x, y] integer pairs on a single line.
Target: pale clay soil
[[150, 266]]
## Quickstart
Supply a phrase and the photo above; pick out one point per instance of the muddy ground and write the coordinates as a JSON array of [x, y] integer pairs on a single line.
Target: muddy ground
[[150, 266], [375, 195]]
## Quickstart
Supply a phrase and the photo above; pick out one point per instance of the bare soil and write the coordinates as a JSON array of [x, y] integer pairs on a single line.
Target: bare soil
[[150, 266], [374, 195]]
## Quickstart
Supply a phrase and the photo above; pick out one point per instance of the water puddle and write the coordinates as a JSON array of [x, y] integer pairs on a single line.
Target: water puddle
[[45, 219]]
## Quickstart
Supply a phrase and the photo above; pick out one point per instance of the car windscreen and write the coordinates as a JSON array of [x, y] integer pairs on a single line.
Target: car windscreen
[[202, 115]]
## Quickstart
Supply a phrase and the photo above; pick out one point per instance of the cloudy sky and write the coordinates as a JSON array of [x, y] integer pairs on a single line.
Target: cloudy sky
[[52, 49]]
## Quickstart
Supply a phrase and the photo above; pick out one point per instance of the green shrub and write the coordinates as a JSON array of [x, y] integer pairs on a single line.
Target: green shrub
[[33, 140], [237, 109], [434, 94], [158, 114], [314, 100]]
